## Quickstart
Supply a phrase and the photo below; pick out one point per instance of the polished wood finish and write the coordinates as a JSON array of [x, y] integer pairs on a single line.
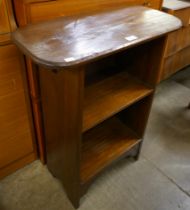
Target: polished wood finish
[[4, 20], [17, 146], [14, 166], [32, 74], [7, 23], [95, 96], [174, 43], [115, 93], [62, 110], [69, 37], [16, 140], [178, 41], [104, 144], [32, 11]]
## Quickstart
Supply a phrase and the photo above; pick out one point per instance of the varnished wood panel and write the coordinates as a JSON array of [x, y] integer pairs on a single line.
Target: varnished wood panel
[[62, 94], [184, 58], [105, 98], [186, 37], [184, 16], [32, 11], [7, 23], [176, 62], [104, 144], [155, 4], [174, 42], [177, 41], [33, 83], [71, 41], [10, 168], [16, 139], [48, 10], [169, 66], [4, 20]]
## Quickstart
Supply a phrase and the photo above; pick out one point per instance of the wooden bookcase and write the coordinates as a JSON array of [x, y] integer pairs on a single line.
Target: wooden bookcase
[[34, 11], [96, 87], [112, 98]]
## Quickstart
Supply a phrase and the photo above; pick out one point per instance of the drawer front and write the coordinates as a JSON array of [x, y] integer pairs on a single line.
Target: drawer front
[[155, 4], [170, 66], [184, 58], [176, 62], [183, 15], [35, 11], [186, 37], [4, 20], [51, 9], [174, 42], [15, 131]]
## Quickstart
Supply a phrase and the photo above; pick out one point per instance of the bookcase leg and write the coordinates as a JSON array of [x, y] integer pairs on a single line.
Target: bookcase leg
[[138, 151], [61, 98], [75, 201]]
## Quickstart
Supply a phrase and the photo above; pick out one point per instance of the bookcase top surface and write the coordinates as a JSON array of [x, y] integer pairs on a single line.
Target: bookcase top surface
[[175, 4], [70, 41]]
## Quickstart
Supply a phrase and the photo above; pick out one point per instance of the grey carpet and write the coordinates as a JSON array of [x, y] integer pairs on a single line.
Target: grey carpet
[[160, 180]]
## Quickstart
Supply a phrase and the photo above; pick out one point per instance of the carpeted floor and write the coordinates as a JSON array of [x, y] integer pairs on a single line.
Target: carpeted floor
[[160, 180]]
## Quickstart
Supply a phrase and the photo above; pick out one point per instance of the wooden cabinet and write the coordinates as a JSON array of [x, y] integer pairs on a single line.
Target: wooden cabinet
[[4, 20], [178, 42], [17, 147], [32, 11], [97, 88], [16, 137], [185, 37]]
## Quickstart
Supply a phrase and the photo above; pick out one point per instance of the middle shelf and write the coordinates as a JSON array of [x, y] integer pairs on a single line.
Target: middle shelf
[[109, 96]]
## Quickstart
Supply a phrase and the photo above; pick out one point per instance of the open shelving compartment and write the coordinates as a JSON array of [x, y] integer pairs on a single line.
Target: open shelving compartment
[[118, 94], [100, 110]]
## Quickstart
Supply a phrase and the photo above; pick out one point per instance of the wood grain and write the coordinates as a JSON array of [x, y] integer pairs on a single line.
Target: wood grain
[[104, 144], [186, 37], [74, 40], [107, 97], [16, 139], [62, 94], [174, 43], [20, 163], [32, 11], [4, 19]]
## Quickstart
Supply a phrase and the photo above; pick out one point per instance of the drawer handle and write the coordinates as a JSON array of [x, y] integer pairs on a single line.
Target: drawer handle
[[147, 3]]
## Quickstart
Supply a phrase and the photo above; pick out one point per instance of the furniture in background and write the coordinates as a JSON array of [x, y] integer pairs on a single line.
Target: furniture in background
[[177, 53], [96, 76], [17, 146], [33, 11]]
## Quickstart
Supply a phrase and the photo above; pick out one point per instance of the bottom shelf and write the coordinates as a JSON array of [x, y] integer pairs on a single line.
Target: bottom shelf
[[104, 144]]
